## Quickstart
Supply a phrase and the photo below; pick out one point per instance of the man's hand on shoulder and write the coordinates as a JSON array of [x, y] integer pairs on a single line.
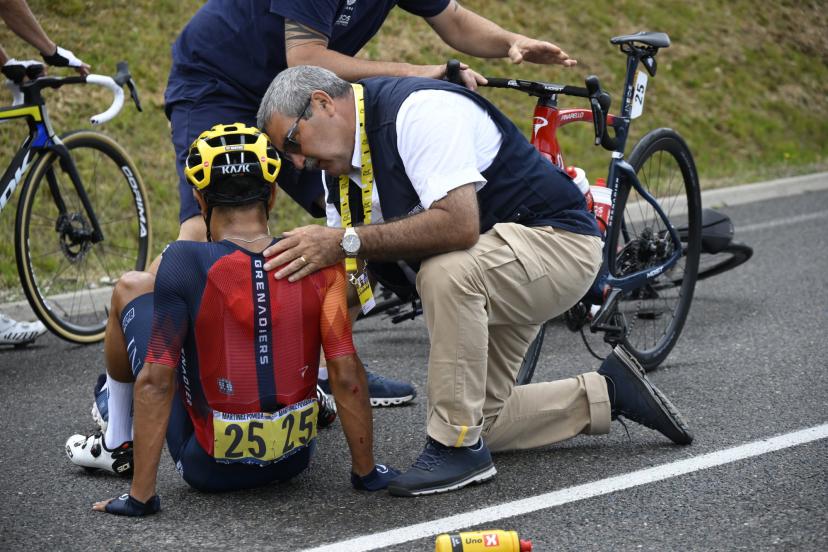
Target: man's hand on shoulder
[[538, 51], [305, 250]]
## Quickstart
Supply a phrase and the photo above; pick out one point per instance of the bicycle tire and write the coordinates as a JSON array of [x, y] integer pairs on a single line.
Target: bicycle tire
[[712, 264], [652, 319], [68, 279], [530, 360]]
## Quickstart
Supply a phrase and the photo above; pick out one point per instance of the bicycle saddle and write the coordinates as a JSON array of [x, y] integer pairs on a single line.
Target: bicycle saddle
[[656, 40]]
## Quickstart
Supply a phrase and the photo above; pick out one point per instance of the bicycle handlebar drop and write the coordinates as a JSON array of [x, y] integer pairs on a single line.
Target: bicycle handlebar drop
[[117, 100]]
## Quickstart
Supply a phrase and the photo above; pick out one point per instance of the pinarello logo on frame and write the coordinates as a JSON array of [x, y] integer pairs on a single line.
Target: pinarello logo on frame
[[540, 122], [573, 115]]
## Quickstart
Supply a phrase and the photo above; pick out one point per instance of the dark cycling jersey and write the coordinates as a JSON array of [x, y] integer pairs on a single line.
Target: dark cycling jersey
[[243, 342]]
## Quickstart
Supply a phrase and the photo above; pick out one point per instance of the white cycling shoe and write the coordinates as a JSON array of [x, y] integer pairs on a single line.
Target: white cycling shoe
[[90, 453], [17, 333]]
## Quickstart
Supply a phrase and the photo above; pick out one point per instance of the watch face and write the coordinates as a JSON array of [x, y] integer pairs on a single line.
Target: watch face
[[351, 243]]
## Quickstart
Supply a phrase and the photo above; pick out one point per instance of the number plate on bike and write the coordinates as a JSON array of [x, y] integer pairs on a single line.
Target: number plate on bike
[[261, 437], [638, 94]]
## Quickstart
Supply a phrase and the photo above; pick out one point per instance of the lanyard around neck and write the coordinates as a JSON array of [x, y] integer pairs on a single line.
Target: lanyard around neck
[[367, 176]]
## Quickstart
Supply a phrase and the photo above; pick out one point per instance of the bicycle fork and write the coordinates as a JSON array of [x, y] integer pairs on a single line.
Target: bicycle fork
[[68, 224]]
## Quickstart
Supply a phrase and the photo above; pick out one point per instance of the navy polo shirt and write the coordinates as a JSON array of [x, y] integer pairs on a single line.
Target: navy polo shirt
[[241, 43]]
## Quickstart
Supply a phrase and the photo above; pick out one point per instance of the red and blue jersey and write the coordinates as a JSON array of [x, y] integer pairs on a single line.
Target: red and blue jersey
[[242, 341]]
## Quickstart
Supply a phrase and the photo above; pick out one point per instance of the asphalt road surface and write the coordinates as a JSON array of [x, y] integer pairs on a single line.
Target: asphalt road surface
[[751, 365]]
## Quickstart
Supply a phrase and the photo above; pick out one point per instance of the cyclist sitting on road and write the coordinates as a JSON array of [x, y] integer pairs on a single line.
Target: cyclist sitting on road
[[20, 19], [242, 349], [505, 243]]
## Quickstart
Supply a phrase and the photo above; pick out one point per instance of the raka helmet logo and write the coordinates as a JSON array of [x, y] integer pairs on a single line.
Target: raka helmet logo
[[238, 168]]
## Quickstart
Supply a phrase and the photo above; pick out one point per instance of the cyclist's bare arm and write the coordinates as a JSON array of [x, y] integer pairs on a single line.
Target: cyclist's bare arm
[[153, 397], [349, 385], [20, 19], [475, 35]]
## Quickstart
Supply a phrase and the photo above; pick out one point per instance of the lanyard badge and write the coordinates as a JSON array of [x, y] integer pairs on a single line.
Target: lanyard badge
[[357, 277]]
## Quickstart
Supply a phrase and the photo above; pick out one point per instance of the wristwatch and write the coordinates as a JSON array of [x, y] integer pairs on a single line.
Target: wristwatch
[[350, 242]]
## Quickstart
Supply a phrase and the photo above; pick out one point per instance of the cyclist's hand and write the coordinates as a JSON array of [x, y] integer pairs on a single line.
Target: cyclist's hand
[[378, 479], [128, 505], [538, 51], [65, 58]]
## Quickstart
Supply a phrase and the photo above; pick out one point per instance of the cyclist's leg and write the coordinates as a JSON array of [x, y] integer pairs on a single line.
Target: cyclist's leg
[[127, 333]]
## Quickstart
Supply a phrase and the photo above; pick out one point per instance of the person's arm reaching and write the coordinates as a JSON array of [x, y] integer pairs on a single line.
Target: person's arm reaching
[[450, 224], [475, 35], [307, 46], [20, 19]]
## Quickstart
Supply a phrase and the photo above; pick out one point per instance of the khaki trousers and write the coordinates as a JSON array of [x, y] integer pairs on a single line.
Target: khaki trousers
[[483, 307]]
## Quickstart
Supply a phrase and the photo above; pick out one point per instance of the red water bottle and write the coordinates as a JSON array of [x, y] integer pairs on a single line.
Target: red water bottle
[[602, 203]]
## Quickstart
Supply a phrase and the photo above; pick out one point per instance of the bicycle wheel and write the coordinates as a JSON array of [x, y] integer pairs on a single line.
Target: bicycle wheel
[[67, 277], [530, 361], [654, 315], [729, 258]]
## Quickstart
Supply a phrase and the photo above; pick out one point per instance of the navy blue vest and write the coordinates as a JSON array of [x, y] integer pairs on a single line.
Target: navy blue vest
[[521, 186]]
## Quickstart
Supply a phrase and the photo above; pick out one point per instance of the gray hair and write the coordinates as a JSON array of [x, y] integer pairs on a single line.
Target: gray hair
[[290, 90]]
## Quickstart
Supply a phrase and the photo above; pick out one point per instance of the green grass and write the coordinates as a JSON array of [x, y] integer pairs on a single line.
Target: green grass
[[747, 86]]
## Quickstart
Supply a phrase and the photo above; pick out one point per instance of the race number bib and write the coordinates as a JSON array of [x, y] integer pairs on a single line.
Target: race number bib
[[261, 437], [638, 94]]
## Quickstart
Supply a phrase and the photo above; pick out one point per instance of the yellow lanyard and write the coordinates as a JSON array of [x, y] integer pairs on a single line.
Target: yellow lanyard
[[361, 281]]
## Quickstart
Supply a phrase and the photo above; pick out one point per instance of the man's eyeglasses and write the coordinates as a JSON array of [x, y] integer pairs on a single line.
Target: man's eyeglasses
[[291, 145]]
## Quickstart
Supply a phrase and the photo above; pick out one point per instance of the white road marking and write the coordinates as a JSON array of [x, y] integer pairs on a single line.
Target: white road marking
[[782, 222], [572, 494]]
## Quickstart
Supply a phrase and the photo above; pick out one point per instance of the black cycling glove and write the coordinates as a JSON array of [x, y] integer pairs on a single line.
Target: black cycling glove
[[127, 505], [378, 479], [62, 58]]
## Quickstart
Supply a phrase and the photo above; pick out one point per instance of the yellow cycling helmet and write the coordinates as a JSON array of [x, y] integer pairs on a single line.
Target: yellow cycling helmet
[[227, 151]]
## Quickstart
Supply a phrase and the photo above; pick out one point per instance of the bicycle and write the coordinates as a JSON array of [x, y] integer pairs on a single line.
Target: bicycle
[[83, 216], [643, 294]]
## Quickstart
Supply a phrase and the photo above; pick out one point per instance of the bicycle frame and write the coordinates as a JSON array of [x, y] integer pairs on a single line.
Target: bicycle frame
[[41, 140], [547, 118]]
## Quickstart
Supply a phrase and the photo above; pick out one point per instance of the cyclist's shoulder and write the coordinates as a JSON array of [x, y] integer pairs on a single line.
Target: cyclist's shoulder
[[193, 253]]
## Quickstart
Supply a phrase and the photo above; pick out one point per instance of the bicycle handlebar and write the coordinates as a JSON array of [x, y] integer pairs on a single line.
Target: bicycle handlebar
[[537, 88], [27, 91], [599, 99]]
